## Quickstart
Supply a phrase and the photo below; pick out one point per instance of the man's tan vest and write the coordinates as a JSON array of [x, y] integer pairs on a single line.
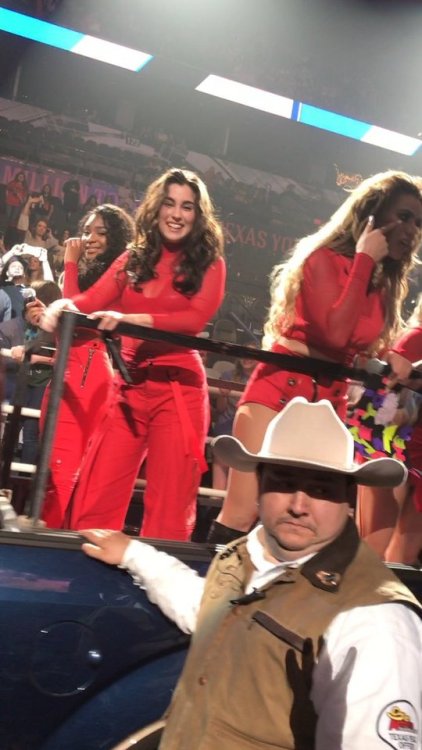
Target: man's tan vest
[[248, 674]]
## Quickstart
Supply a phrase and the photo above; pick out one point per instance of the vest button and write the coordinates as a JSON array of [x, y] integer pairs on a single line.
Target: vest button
[[202, 680], [291, 381]]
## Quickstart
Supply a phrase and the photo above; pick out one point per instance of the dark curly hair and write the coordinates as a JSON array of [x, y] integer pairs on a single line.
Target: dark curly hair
[[3, 275], [120, 233], [200, 249]]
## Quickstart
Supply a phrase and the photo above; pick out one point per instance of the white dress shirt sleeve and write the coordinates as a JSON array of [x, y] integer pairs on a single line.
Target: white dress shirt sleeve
[[367, 684], [169, 583]]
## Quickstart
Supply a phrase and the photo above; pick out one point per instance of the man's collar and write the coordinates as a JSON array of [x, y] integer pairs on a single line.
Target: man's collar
[[326, 569], [256, 552]]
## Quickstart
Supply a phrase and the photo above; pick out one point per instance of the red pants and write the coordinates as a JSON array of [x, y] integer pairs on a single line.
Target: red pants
[[167, 418], [87, 389]]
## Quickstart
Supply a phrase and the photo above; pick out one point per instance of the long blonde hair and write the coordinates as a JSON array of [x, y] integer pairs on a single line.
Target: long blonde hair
[[415, 319], [341, 233]]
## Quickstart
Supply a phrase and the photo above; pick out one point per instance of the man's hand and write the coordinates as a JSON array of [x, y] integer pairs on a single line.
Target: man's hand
[[105, 545]]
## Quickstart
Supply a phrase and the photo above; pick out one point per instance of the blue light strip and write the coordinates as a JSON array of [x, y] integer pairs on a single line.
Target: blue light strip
[[72, 41], [325, 120], [310, 115]]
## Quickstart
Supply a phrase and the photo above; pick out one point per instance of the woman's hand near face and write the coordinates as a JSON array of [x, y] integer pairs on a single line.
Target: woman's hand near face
[[73, 249], [373, 242]]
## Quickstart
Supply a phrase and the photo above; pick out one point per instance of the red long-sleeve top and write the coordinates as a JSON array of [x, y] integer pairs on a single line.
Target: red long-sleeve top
[[170, 310], [70, 280], [335, 313], [410, 344]]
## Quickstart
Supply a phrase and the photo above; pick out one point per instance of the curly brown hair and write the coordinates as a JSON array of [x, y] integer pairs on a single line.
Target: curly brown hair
[[120, 233], [200, 249]]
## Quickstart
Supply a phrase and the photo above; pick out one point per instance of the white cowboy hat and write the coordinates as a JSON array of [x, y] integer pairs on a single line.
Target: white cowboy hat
[[310, 436]]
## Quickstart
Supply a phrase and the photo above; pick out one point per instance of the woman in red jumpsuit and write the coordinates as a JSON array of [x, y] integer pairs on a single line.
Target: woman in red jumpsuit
[[340, 294], [173, 278], [105, 233]]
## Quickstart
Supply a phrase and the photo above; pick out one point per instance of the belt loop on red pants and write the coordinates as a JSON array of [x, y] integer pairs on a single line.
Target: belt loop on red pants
[[189, 436]]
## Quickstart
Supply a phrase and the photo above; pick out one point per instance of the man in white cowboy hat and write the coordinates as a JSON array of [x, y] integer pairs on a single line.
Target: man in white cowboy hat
[[291, 647]]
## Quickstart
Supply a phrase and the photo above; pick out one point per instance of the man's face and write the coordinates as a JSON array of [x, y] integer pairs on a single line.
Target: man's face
[[301, 510]]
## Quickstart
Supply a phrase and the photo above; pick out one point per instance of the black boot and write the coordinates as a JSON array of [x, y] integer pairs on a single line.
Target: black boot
[[221, 534]]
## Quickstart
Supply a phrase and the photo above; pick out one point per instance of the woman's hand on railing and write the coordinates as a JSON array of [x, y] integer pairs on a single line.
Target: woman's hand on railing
[[401, 368], [109, 319], [49, 319]]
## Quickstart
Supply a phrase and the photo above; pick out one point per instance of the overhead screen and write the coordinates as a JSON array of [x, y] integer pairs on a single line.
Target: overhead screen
[[72, 41], [308, 114], [224, 88]]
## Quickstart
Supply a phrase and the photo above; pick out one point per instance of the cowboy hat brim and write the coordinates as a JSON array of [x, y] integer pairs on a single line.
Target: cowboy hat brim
[[378, 472]]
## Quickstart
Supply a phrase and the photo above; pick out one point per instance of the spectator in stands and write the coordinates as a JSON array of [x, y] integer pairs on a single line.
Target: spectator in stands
[[57, 255], [11, 334], [40, 372], [38, 266], [28, 216], [36, 259], [16, 196], [173, 278], [44, 209], [71, 207], [340, 294], [126, 196], [39, 234], [90, 203], [14, 280]]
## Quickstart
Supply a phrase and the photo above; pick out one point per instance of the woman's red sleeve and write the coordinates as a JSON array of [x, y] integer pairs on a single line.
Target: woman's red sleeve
[[106, 291], [332, 295], [410, 345], [71, 283], [200, 308]]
